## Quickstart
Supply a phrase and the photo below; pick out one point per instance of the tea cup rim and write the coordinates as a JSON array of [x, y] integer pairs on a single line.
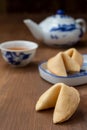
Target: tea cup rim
[[29, 45]]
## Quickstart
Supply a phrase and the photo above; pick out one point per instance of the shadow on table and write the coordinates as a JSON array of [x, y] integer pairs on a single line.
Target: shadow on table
[[80, 44]]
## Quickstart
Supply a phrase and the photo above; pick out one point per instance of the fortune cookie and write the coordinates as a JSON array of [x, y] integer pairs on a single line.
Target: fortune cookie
[[63, 98], [64, 62]]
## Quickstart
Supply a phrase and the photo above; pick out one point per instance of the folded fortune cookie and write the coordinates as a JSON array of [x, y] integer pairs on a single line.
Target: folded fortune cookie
[[67, 61], [63, 98]]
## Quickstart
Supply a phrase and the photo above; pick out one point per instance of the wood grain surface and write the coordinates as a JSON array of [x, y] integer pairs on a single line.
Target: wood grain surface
[[20, 88]]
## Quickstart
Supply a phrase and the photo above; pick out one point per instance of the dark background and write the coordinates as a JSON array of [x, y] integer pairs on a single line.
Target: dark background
[[72, 6]]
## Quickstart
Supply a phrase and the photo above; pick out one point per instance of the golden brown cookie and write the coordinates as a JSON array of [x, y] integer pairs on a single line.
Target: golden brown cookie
[[63, 98], [64, 62]]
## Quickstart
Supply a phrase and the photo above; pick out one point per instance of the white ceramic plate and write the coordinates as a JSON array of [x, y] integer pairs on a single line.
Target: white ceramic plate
[[73, 80]]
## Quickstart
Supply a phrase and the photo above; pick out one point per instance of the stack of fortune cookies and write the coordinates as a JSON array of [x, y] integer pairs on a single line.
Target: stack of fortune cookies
[[69, 61], [64, 99]]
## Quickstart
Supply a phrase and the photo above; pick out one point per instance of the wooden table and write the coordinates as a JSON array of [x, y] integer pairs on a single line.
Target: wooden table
[[20, 88]]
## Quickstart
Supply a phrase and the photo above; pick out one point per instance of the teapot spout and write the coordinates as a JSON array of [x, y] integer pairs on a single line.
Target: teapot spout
[[34, 28]]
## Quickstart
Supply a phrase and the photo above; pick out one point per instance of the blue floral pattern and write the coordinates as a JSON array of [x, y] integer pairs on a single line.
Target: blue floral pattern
[[54, 36], [64, 27], [81, 33], [15, 58]]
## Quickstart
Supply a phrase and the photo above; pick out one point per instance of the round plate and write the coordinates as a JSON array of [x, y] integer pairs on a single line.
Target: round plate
[[73, 80]]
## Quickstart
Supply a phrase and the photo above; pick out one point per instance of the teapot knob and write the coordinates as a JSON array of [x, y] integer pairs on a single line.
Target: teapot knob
[[60, 12]]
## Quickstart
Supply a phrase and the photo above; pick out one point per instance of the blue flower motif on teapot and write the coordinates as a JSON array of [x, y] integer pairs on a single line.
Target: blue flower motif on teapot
[[64, 27]]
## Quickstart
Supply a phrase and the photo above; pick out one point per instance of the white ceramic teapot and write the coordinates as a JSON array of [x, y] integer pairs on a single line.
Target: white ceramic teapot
[[58, 29]]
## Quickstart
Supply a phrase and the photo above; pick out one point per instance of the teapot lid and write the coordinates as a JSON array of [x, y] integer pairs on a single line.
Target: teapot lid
[[63, 18]]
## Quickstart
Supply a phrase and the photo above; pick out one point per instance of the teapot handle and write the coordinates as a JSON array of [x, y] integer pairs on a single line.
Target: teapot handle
[[82, 23]]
